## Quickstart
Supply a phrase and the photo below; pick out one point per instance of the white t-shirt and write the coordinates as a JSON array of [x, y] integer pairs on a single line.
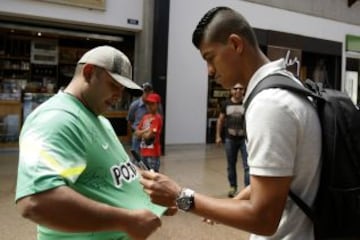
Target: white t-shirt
[[284, 139]]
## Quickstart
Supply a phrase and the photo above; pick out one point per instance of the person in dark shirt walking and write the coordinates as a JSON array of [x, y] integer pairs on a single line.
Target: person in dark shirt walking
[[231, 118]]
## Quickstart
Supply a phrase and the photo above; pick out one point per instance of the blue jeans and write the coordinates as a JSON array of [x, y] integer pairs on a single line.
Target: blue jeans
[[135, 143], [232, 147], [152, 162]]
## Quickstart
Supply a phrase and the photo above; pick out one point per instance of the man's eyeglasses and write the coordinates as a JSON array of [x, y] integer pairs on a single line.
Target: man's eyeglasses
[[238, 88]]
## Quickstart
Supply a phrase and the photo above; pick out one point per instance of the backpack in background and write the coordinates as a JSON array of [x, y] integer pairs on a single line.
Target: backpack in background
[[336, 211]]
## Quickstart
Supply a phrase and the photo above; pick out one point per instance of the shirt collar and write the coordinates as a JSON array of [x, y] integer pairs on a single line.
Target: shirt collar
[[262, 72]]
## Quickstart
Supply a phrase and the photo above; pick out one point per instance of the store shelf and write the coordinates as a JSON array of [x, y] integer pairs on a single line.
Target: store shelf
[[9, 103], [24, 58], [14, 74], [7, 145]]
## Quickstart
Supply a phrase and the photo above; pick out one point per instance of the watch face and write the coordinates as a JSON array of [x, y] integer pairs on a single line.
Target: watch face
[[186, 199], [184, 203]]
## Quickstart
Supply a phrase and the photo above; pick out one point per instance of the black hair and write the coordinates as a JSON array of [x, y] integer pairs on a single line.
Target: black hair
[[229, 22]]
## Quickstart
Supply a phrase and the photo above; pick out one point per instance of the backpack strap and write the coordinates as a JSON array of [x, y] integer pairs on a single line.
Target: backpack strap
[[302, 205], [284, 82]]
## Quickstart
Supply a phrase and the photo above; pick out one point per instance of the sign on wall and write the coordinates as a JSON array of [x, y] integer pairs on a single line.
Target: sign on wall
[[93, 4], [352, 43], [292, 58]]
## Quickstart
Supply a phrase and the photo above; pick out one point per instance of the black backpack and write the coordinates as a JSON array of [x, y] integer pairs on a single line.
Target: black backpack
[[336, 211]]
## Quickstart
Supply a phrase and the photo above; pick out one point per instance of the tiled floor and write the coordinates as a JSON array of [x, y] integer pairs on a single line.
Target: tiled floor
[[201, 167]]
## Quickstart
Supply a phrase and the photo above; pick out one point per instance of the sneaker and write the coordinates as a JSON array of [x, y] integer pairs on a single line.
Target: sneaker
[[232, 192]]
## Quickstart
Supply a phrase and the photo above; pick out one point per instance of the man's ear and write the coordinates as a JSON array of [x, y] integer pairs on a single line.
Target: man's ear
[[88, 71], [237, 42]]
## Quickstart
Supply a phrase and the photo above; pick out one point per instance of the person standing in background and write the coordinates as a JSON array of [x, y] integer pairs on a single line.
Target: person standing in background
[[149, 131], [136, 111], [231, 118], [320, 74]]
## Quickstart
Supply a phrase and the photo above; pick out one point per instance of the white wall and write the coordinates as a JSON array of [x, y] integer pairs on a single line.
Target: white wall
[[115, 16], [331, 9], [186, 104]]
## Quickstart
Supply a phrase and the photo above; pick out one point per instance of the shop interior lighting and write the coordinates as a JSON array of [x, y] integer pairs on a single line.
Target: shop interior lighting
[[62, 32]]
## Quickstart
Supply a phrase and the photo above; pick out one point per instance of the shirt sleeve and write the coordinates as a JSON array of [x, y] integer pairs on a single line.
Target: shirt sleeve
[[272, 130], [51, 154]]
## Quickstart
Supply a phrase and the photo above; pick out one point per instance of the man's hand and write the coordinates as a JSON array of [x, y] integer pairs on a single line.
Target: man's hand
[[144, 225], [161, 189]]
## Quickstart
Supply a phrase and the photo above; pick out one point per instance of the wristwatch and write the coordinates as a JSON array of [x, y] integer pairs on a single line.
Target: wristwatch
[[185, 199]]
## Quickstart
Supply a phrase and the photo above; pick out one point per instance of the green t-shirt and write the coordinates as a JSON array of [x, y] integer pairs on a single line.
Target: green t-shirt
[[63, 143]]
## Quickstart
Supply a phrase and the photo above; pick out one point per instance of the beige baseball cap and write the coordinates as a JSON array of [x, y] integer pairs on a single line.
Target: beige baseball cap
[[114, 62]]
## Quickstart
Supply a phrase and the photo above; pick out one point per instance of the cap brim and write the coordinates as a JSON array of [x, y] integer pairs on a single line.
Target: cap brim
[[130, 85], [134, 92]]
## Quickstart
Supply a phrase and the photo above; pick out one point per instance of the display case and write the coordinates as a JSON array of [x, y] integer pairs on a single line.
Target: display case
[[32, 101], [43, 78], [10, 123], [34, 67], [68, 57], [14, 67]]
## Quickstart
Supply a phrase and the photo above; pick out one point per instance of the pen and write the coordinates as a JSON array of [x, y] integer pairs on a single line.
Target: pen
[[139, 162]]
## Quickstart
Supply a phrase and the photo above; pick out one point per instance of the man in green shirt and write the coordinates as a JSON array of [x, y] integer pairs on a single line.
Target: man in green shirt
[[75, 179]]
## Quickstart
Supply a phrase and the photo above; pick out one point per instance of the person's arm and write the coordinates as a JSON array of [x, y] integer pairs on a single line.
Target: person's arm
[[145, 133], [244, 194], [64, 209], [155, 128], [219, 126], [142, 133], [260, 214], [150, 133]]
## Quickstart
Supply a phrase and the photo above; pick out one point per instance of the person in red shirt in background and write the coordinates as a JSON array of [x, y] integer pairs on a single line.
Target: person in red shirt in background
[[149, 130]]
